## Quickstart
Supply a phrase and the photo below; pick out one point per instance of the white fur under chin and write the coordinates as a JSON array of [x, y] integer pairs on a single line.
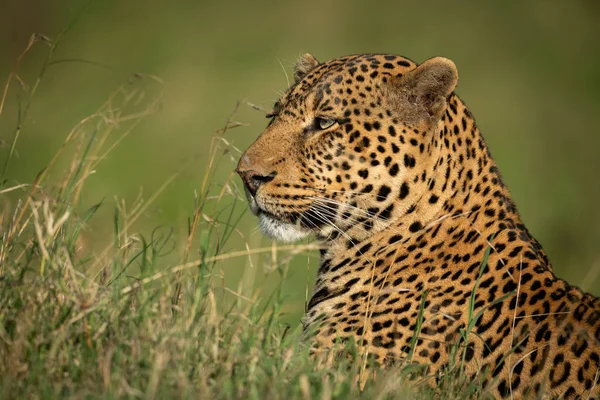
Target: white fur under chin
[[280, 231]]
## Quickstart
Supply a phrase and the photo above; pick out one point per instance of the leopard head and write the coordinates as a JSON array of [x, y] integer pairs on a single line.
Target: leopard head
[[347, 146]]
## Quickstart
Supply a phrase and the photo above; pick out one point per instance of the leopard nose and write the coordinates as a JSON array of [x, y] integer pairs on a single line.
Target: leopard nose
[[253, 179]]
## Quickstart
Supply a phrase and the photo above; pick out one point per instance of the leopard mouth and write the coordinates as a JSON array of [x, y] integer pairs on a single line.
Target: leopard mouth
[[274, 227], [279, 230], [254, 208]]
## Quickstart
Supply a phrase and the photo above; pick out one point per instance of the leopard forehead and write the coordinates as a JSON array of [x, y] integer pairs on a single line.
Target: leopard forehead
[[341, 81]]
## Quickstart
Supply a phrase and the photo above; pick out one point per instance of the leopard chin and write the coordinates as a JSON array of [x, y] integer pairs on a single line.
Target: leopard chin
[[280, 231]]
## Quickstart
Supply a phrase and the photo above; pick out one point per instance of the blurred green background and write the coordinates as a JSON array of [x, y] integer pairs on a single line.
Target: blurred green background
[[529, 72]]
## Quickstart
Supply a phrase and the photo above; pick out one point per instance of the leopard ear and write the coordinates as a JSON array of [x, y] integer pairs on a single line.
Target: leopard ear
[[304, 65], [425, 89]]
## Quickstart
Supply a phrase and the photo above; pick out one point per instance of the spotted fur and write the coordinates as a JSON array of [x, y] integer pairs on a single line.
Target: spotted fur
[[381, 160]]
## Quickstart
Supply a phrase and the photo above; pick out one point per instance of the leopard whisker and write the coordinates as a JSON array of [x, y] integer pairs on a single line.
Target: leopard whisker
[[365, 212], [324, 219], [331, 212]]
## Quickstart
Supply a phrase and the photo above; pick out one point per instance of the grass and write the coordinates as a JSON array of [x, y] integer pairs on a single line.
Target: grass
[[149, 314], [127, 321]]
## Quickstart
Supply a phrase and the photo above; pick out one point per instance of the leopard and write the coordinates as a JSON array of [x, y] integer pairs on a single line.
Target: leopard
[[423, 254]]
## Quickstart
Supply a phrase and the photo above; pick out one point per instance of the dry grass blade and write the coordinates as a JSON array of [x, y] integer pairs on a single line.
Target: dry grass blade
[[193, 264]]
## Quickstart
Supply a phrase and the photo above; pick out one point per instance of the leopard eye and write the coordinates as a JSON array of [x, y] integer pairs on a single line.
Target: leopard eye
[[324, 123]]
